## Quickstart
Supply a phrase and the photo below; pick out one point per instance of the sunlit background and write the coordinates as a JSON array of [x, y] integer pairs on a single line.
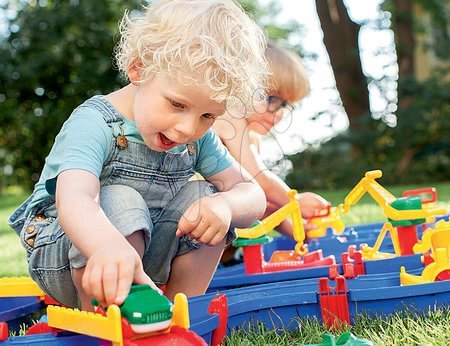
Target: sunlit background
[[378, 59]]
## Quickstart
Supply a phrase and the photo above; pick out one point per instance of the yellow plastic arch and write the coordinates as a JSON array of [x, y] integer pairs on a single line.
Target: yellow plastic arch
[[372, 253], [384, 199], [292, 210]]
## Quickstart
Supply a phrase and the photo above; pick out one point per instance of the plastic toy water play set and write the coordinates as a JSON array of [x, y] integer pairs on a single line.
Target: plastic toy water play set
[[339, 273]]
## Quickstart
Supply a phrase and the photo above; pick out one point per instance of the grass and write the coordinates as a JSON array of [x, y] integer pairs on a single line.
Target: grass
[[22, 328], [12, 254], [404, 328]]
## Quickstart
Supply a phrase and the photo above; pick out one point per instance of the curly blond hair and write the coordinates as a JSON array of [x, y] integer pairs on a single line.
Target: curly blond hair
[[205, 41]]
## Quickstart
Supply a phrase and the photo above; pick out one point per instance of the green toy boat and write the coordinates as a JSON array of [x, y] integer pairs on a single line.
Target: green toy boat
[[145, 309]]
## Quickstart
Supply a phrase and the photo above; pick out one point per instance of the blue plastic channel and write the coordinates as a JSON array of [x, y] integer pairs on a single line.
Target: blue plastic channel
[[63, 339], [17, 307]]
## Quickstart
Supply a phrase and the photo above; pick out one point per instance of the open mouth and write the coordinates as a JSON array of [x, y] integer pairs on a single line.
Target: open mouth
[[166, 143], [166, 140]]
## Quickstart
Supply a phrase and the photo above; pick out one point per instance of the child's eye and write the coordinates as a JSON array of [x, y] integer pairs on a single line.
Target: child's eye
[[208, 116], [177, 104]]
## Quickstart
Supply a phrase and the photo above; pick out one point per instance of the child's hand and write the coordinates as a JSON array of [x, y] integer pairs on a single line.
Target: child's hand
[[111, 270], [206, 220], [310, 203]]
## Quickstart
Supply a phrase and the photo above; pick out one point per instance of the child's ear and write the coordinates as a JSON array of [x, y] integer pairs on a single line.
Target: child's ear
[[135, 72]]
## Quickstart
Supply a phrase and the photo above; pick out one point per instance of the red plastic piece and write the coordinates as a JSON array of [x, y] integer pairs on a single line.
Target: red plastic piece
[[407, 238], [353, 264], [41, 328], [178, 336], [50, 301], [334, 303], [427, 259], [443, 276], [422, 193], [310, 260], [254, 260], [285, 256], [349, 271], [219, 306], [351, 249], [333, 271], [3, 331], [358, 263]]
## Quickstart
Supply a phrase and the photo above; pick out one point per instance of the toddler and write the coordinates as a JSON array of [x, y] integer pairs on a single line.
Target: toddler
[[113, 205]]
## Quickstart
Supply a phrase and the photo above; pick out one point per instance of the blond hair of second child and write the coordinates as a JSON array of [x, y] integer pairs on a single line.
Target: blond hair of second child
[[113, 205], [242, 135]]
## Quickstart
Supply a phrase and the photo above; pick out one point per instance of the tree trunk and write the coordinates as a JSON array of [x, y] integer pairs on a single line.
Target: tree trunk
[[404, 45], [404, 36], [341, 40], [402, 20]]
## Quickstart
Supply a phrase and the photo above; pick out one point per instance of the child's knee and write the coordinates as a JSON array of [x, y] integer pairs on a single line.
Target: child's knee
[[195, 190], [117, 198], [139, 237], [127, 211], [56, 283]]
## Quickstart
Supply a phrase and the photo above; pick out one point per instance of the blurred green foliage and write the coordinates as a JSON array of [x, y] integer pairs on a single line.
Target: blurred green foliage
[[417, 150], [54, 56]]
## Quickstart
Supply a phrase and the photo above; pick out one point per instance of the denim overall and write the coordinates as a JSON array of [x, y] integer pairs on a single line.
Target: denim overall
[[140, 189]]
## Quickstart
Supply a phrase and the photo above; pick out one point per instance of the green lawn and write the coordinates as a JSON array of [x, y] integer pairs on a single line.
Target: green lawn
[[402, 329], [12, 255]]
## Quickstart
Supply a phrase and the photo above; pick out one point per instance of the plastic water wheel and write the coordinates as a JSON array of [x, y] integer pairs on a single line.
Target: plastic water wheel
[[443, 275]]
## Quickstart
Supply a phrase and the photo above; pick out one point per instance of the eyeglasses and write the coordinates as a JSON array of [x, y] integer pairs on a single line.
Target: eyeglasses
[[275, 104]]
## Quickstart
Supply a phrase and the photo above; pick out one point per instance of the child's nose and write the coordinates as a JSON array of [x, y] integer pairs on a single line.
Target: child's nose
[[186, 128]]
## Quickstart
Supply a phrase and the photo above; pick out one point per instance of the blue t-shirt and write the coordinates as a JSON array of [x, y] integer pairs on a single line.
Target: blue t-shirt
[[85, 140]]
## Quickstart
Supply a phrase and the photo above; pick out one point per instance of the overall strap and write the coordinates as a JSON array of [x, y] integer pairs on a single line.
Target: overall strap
[[112, 118], [109, 113]]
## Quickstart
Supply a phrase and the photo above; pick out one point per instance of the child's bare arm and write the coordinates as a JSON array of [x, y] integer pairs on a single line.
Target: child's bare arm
[[113, 264], [235, 135], [240, 203]]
